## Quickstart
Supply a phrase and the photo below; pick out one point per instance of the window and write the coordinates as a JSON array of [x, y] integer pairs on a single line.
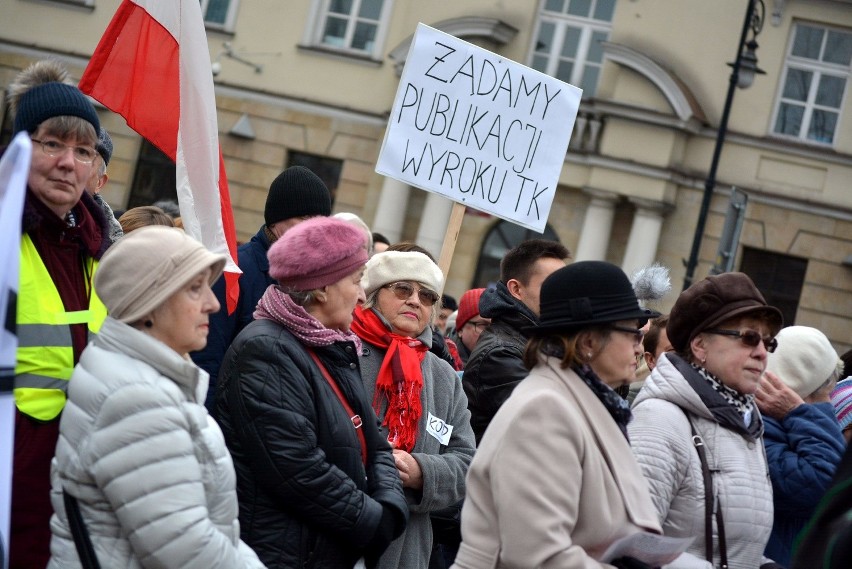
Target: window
[[154, 179], [778, 277], [500, 238], [814, 84], [219, 14], [328, 169], [568, 41], [354, 26]]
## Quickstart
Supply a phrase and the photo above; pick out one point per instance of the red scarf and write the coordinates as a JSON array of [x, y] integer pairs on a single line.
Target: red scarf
[[400, 378]]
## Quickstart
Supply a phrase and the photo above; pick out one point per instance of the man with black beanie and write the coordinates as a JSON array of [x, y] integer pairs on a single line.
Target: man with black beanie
[[295, 195]]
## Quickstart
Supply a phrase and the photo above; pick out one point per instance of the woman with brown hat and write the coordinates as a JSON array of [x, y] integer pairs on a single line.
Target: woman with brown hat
[[141, 475], [697, 431], [417, 395], [316, 480], [553, 482]]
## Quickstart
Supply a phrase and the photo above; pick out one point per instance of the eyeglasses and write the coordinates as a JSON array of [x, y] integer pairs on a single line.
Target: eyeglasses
[[750, 338], [404, 290], [638, 333], [53, 148], [478, 327]]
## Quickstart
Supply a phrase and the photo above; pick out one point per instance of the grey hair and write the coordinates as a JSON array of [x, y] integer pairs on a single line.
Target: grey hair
[[303, 298]]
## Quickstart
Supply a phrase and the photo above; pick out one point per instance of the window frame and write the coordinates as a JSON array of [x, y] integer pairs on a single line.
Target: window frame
[[230, 19], [818, 69], [562, 21], [316, 27]]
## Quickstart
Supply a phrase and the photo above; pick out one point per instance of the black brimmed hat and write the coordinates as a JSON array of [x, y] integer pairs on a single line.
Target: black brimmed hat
[[585, 293]]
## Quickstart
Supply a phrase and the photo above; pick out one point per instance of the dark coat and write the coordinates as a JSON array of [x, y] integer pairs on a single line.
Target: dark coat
[[306, 498], [496, 364], [224, 327], [803, 451]]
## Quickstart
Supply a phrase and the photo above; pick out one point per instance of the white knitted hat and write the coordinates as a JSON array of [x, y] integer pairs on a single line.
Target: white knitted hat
[[804, 359], [392, 266]]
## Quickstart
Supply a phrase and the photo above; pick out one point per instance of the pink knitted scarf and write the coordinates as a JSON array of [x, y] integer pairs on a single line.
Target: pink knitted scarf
[[276, 305]]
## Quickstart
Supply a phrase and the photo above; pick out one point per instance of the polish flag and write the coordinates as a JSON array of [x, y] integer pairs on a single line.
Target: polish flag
[[152, 66]]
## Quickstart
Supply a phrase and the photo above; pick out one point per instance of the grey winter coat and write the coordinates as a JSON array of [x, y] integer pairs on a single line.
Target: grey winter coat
[[444, 466], [148, 466]]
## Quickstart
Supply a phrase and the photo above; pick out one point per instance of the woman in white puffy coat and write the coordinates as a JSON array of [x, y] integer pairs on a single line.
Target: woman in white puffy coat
[[137, 453], [701, 399]]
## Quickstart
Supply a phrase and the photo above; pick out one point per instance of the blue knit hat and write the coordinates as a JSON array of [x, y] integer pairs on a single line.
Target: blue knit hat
[[104, 145], [50, 100]]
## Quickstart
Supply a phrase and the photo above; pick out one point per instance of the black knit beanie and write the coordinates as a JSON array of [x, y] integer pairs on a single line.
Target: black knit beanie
[[296, 192], [50, 100]]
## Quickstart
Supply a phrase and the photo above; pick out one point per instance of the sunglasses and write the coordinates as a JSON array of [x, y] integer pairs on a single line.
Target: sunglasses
[[638, 333], [750, 338], [404, 290]]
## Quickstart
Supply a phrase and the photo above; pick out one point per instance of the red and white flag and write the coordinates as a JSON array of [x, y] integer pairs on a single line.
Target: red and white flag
[[152, 66]]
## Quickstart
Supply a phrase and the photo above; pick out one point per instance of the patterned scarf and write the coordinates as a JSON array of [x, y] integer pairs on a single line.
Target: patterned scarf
[[276, 305], [400, 378], [618, 408], [744, 404]]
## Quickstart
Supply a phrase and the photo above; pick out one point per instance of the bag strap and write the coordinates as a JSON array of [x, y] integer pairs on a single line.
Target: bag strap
[[354, 417], [82, 541], [708, 503]]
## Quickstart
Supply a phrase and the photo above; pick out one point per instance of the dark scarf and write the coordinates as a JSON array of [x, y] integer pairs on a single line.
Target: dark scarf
[[400, 379], [617, 407]]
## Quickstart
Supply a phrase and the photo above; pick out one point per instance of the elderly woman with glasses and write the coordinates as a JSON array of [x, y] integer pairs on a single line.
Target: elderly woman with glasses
[[553, 483], [698, 433], [419, 400]]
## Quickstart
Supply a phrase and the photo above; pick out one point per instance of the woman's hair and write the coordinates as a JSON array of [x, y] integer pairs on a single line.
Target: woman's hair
[[142, 217], [303, 298], [565, 344]]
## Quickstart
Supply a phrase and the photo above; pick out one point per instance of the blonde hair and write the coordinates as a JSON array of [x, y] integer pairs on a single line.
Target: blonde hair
[[143, 216]]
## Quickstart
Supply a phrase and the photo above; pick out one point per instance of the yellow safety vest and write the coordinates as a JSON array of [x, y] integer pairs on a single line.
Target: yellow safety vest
[[45, 356]]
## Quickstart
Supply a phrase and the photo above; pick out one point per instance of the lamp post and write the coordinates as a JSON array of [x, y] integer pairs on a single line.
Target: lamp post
[[742, 76]]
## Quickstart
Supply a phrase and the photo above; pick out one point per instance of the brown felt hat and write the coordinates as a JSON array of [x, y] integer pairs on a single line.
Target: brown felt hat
[[714, 300]]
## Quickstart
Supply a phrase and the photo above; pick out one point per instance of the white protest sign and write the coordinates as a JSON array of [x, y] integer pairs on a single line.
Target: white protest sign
[[479, 129]]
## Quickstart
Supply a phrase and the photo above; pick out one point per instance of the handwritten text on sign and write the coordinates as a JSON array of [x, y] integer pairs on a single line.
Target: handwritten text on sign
[[479, 129]]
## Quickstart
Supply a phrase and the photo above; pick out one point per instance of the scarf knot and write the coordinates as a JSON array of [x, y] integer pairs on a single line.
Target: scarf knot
[[400, 378]]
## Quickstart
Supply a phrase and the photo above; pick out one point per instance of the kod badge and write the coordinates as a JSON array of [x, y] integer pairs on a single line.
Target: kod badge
[[439, 429]]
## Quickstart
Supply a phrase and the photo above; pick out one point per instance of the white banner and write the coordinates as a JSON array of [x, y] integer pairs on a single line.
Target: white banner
[[14, 172], [479, 129]]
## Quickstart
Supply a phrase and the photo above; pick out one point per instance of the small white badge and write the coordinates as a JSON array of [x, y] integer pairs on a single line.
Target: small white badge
[[439, 429]]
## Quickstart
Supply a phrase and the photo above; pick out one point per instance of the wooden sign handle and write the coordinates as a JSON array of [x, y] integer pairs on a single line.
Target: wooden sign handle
[[450, 238]]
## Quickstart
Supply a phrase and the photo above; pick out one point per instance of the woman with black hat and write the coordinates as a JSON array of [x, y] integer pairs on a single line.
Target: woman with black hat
[[553, 482], [697, 433]]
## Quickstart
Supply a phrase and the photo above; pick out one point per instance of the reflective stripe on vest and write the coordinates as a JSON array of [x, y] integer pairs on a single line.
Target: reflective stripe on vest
[[45, 356]]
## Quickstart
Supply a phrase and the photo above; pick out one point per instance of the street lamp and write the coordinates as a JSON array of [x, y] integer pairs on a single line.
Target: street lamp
[[742, 76]]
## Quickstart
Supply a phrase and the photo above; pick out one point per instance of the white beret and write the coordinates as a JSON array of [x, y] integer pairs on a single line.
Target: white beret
[[392, 266], [803, 360]]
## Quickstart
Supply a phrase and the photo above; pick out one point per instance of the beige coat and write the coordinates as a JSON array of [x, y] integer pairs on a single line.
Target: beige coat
[[553, 482]]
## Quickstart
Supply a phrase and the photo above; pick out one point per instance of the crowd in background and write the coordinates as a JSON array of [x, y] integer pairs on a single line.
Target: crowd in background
[[348, 414]]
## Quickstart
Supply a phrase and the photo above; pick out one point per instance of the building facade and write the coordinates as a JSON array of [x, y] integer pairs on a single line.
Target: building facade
[[313, 81]]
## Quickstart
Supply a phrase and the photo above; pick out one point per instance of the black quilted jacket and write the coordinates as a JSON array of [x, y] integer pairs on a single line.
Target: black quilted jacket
[[306, 499]]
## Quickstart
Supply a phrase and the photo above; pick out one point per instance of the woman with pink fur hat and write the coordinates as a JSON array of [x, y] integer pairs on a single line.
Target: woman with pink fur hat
[[316, 480]]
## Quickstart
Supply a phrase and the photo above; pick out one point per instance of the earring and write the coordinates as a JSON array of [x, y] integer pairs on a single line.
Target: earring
[[589, 356], [149, 324]]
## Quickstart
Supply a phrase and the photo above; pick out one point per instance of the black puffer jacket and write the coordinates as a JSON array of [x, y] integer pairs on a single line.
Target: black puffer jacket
[[496, 364], [306, 499]]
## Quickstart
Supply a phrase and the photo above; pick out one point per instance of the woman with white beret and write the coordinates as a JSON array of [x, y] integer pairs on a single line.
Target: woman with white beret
[[419, 400], [802, 437]]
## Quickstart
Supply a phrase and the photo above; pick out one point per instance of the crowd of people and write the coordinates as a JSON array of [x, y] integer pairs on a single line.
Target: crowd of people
[[350, 414]]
